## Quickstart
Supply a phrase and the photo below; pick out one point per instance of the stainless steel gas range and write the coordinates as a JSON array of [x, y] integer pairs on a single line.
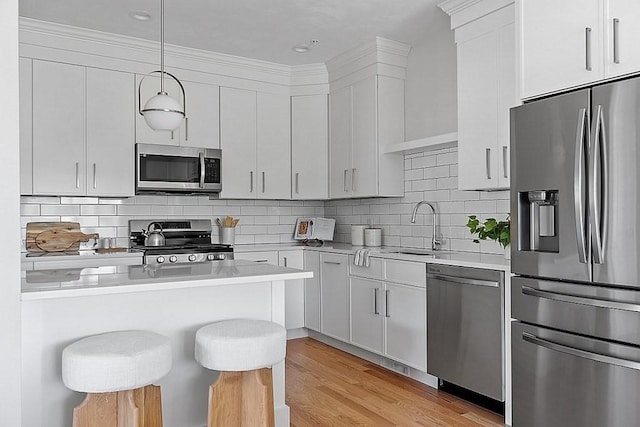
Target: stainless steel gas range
[[185, 241]]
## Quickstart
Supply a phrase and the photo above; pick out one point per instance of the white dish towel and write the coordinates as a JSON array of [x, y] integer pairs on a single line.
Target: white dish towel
[[361, 257]]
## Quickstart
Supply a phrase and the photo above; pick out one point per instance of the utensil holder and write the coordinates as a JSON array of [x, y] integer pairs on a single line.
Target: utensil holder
[[372, 236], [357, 235], [227, 235]]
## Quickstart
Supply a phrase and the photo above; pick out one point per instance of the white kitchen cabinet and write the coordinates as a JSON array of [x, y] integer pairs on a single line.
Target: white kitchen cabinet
[[79, 150], [294, 289], [256, 144], [367, 320], [202, 123], [58, 129], [312, 291], [575, 42], [486, 91], [268, 257], [389, 312], [309, 147], [366, 115], [26, 126], [334, 295], [273, 180], [110, 144]]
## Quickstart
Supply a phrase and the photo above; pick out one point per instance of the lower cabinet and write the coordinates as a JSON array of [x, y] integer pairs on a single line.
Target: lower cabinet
[[390, 318], [334, 295], [312, 291]]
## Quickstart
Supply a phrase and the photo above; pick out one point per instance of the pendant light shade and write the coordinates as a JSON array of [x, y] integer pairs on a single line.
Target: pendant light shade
[[162, 112]]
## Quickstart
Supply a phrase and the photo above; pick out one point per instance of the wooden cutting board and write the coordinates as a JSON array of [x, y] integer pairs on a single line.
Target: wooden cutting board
[[55, 237]]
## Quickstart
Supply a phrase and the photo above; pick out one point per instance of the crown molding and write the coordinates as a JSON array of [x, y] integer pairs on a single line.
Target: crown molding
[[84, 40], [309, 74], [464, 11]]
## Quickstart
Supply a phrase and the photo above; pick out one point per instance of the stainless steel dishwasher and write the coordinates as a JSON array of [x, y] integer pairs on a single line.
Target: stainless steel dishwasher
[[465, 328]]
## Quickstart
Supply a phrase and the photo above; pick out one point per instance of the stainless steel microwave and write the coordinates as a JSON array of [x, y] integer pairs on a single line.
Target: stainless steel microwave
[[172, 169]]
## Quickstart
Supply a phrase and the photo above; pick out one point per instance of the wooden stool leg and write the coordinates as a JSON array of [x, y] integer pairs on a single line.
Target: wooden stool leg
[[148, 399], [242, 399], [106, 410]]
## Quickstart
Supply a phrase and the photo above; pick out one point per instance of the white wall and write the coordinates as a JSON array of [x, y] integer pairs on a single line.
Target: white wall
[[430, 105], [10, 327]]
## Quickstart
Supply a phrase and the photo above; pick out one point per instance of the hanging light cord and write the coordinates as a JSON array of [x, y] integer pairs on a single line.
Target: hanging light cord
[[162, 47]]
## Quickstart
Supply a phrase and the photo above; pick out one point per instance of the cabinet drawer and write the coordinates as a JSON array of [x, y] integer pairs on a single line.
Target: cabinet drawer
[[374, 271], [407, 272], [266, 256]]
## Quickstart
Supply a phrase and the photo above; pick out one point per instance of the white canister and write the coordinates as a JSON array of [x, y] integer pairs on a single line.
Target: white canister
[[373, 236], [357, 235]]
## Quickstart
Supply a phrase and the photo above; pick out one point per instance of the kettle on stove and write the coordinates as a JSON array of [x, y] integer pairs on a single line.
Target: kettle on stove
[[154, 236]]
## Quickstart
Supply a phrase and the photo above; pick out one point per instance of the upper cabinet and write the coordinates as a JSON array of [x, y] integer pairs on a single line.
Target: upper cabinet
[[309, 147], [366, 114], [485, 39], [201, 126], [576, 42], [256, 144], [82, 130]]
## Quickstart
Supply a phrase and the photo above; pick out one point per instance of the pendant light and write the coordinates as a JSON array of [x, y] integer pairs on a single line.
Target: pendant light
[[162, 112]]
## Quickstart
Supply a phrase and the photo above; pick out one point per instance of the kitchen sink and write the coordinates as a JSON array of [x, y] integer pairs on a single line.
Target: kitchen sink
[[415, 251]]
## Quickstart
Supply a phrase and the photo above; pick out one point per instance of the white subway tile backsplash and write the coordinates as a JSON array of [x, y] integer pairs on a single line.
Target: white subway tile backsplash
[[97, 209], [136, 210], [29, 210], [48, 210]]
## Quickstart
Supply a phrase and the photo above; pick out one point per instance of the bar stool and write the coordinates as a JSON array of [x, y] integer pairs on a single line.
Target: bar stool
[[116, 370], [243, 351]]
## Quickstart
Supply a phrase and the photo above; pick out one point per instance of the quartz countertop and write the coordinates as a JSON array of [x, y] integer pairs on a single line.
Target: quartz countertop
[[71, 282]]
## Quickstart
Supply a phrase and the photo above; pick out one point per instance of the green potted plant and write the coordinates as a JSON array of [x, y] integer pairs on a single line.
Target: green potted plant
[[491, 229]]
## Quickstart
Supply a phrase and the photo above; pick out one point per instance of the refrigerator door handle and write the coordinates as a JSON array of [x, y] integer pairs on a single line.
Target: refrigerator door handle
[[598, 200], [576, 299], [610, 360], [578, 185]]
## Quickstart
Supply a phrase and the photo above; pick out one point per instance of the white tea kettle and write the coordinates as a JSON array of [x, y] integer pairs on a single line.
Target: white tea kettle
[[154, 236]]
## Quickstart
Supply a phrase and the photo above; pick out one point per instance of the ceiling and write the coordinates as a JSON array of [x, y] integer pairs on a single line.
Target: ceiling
[[259, 29]]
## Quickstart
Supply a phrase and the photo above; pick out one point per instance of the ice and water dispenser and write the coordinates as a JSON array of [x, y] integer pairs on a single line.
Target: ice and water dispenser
[[538, 221]]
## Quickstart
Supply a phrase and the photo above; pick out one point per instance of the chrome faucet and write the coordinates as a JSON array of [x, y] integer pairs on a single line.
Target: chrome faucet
[[435, 243]]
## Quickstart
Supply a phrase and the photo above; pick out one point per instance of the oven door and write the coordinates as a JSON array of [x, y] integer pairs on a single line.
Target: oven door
[[562, 379], [170, 169]]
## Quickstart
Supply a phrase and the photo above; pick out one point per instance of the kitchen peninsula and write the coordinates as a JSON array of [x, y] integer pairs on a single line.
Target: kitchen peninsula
[[63, 305]]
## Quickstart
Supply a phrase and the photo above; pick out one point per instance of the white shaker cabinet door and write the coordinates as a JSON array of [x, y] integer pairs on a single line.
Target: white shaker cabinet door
[[58, 129], [312, 291], [364, 169], [406, 324], [293, 290], [273, 146], [110, 136], [202, 125], [561, 44], [340, 144], [367, 320], [335, 295], [26, 126], [309, 147], [622, 33], [238, 143]]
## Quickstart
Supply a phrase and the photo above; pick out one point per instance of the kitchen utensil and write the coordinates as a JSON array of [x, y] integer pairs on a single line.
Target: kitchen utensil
[[218, 222], [154, 236], [55, 237]]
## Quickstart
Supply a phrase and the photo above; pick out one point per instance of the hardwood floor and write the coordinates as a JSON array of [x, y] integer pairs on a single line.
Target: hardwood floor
[[327, 387]]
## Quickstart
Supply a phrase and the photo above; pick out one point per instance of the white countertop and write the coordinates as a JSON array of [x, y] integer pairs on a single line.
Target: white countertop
[[72, 282]]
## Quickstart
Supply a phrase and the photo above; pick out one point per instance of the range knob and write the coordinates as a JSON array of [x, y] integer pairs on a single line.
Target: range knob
[[192, 258], [211, 257], [173, 258], [221, 256], [160, 259]]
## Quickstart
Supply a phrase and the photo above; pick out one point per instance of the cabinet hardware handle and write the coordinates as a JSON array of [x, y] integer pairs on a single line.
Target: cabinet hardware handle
[[285, 261], [262, 260], [344, 180], [77, 175], [504, 161], [463, 280], [587, 42], [172, 135], [616, 35], [186, 128], [251, 182], [487, 162], [263, 182], [332, 262], [297, 181], [95, 183], [375, 301], [386, 303], [353, 179]]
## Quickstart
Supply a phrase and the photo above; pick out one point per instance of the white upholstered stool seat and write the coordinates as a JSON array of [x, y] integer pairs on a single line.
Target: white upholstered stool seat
[[244, 351], [117, 370]]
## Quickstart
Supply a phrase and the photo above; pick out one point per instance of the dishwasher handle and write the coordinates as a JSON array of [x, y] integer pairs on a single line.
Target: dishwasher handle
[[463, 280]]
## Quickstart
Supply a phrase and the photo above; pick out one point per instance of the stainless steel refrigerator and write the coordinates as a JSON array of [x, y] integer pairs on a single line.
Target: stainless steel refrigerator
[[575, 204]]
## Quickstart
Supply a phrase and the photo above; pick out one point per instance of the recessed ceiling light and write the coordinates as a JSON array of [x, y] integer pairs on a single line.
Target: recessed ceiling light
[[301, 48], [140, 15]]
